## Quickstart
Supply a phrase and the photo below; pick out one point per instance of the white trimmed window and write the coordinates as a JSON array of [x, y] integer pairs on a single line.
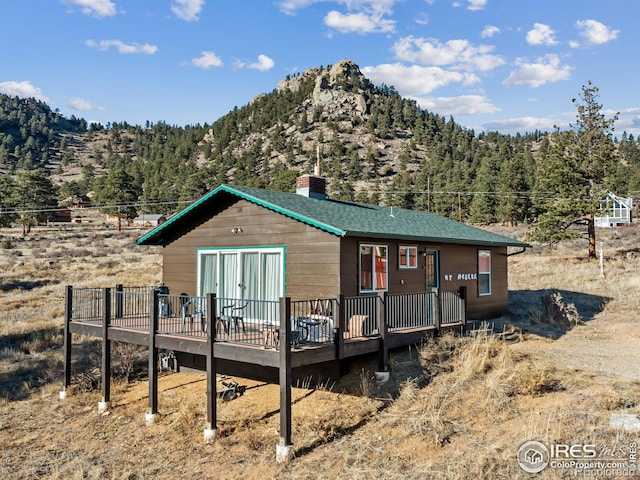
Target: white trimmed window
[[484, 272], [244, 273], [373, 268], [408, 257]]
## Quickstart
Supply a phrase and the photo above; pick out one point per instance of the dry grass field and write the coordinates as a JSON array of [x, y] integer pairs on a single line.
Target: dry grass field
[[455, 408]]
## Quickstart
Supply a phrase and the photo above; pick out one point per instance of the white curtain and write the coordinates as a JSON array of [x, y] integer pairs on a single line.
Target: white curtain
[[251, 281], [228, 275], [271, 283], [208, 273]]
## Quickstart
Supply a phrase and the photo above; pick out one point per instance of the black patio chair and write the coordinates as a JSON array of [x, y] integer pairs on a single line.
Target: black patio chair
[[233, 312]]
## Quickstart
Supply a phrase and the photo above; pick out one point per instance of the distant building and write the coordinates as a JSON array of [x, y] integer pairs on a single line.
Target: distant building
[[149, 220], [614, 211], [81, 201], [61, 214]]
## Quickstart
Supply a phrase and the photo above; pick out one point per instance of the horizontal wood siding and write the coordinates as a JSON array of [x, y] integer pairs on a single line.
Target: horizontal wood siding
[[458, 264], [312, 255], [458, 261]]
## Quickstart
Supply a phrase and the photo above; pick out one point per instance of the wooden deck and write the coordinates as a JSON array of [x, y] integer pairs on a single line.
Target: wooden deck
[[349, 328]]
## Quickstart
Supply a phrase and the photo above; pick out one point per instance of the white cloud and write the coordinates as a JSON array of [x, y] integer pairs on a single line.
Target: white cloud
[[457, 106], [188, 10], [541, 34], [415, 80], [81, 104], [291, 6], [476, 4], [595, 32], [472, 5], [489, 31], [263, 64], [361, 16], [122, 47], [460, 54], [547, 69], [524, 124], [359, 22], [22, 89], [422, 19], [95, 8], [206, 60]]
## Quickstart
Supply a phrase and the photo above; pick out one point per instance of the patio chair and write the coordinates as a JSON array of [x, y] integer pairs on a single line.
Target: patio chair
[[193, 309], [233, 312], [361, 326]]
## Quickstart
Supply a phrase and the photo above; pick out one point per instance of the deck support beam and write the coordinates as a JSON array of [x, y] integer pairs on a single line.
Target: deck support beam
[[68, 313], [152, 413], [341, 325], [105, 404], [210, 429], [437, 315], [383, 351], [462, 293], [284, 449]]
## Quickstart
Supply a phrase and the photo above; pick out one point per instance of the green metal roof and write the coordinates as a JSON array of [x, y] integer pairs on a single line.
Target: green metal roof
[[338, 217]]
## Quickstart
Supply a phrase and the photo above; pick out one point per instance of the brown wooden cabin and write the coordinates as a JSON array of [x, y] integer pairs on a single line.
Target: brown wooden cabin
[[61, 214], [241, 242]]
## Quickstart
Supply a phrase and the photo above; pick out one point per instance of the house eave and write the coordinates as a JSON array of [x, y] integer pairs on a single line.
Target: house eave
[[434, 239], [155, 237]]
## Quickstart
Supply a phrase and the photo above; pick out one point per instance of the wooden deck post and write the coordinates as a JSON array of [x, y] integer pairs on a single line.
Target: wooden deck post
[[68, 313], [211, 428], [340, 327], [153, 359], [284, 449], [463, 314], [119, 301], [437, 316], [104, 405], [383, 351]]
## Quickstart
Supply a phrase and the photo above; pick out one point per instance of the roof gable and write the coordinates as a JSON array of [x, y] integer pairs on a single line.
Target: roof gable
[[337, 217]]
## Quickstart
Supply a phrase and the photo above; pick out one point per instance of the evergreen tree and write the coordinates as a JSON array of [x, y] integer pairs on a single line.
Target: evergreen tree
[[574, 175], [35, 198], [117, 194], [7, 200]]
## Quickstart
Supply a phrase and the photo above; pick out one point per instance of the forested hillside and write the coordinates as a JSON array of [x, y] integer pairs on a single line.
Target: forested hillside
[[373, 145]]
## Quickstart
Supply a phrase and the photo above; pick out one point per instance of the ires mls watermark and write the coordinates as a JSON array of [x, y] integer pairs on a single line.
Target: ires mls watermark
[[583, 460]]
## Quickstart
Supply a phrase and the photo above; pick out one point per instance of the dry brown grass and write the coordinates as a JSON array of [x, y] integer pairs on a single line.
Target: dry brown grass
[[454, 408]]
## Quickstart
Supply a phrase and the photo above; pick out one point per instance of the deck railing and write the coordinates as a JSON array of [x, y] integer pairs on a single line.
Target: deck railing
[[256, 322], [452, 308], [411, 310], [361, 316], [87, 305]]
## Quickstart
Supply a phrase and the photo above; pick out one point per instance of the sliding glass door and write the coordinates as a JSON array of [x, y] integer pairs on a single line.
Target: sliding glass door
[[254, 274]]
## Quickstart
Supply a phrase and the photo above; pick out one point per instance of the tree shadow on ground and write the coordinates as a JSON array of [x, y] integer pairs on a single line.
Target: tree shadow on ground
[[530, 310], [26, 285], [33, 360]]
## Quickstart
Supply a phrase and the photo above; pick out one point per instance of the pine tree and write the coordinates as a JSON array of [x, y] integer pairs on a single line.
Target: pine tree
[[35, 197], [573, 176]]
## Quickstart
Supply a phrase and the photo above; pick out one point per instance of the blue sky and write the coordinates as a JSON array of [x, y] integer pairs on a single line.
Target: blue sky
[[505, 65]]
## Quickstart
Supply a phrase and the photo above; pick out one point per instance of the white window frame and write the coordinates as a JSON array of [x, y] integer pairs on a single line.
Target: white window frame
[[484, 274], [373, 268], [220, 251], [407, 265]]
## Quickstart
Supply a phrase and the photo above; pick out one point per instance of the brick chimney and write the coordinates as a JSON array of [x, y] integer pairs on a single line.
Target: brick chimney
[[311, 186]]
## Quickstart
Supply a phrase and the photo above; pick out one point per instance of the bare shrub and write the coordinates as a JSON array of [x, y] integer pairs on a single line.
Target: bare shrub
[[556, 312], [533, 380], [40, 342], [128, 360], [7, 244], [614, 401]]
